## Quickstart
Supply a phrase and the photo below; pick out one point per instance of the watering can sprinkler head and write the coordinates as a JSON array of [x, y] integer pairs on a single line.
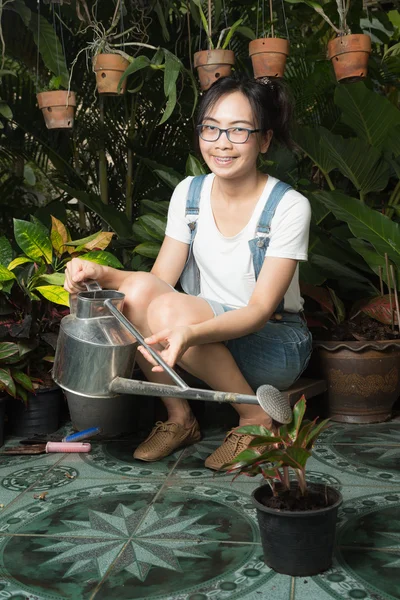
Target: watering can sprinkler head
[[275, 404]]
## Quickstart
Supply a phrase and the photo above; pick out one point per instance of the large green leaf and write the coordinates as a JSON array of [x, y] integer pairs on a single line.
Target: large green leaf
[[5, 274], [369, 114], [7, 383], [137, 64], [166, 174], [169, 107], [101, 257], [154, 225], [32, 240], [375, 261], [52, 278], [364, 222], [8, 349], [361, 163], [310, 141], [171, 72], [23, 380], [54, 293], [160, 207], [6, 253], [50, 47], [148, 249], [117, 220], [194, 166]]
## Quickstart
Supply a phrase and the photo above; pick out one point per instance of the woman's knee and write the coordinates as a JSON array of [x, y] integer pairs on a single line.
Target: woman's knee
[[140, 289], [172, 309]]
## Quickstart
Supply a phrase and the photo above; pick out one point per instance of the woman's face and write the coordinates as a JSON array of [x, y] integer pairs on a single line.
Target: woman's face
[[227, 159]]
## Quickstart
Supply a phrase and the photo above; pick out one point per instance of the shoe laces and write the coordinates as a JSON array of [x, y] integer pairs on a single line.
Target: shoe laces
[[240, 441]]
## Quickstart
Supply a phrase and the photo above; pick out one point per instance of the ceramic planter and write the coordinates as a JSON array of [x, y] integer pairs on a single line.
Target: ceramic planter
[[363, 379], [58, 108], [268, 56], [349, 56], [212, 65], [109, 69], [298, 543]]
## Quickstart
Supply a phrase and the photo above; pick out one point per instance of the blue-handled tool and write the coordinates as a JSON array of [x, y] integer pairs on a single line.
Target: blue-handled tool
[[82, 435]]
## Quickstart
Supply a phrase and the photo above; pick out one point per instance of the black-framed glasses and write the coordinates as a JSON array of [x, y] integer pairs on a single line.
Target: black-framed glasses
[[236, 135]]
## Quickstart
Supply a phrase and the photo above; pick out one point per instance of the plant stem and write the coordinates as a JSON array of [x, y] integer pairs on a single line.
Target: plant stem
[[286, 480], [102, 160], [129, 171], [81, 206], [328, 181], [389, 289], [271, 16], [136, 44]]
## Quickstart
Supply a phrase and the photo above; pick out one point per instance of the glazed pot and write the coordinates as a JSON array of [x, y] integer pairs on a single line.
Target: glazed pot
[[58, 108], [349, 56], [109, 69], [212, 65], [363, 379], [268, 56], [298, 543]]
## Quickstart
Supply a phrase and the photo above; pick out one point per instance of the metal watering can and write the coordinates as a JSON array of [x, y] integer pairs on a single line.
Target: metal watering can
[[95, 356]]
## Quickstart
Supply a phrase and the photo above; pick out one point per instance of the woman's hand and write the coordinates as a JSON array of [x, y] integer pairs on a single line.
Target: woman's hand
[[78, 271], [175, 341]]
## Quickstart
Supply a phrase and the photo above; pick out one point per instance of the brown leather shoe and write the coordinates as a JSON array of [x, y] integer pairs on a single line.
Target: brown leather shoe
[[164, 439], [234, 443]]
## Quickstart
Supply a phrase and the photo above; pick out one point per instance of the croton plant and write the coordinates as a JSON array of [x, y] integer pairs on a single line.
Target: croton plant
[[32, 298]]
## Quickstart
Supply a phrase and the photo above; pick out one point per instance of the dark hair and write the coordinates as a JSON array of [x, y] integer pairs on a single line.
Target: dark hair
[[269, 99]]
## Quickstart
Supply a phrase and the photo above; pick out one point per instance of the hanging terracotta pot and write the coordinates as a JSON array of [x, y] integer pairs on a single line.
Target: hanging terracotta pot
[[212, 65], [268, 56], [109, 69], [58, 108], [349, 55]]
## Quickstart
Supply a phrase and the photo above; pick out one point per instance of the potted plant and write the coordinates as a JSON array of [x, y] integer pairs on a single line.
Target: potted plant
[[217, 61], [33, 303], [349, 53], [57, 105], [268, 56], [297, 519], [359, 356]]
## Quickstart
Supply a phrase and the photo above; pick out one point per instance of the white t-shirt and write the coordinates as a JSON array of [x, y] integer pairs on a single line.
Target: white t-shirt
[[225, 263]]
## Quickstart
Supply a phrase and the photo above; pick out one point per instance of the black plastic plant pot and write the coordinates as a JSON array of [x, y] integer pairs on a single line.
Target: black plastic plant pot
[[42, 415], [298, 543], [3, 400]]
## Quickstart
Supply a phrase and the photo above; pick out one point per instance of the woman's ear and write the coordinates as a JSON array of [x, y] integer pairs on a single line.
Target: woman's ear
[[266, 141]]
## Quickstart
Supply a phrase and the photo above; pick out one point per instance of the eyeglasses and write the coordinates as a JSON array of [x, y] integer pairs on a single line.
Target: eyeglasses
[[236, 135]]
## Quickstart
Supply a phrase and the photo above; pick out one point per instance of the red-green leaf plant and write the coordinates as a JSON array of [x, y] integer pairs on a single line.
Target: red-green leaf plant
[[287, 448], [13, 380]]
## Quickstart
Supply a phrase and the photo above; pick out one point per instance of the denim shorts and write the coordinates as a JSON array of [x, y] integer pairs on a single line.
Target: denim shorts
[[276, 355]]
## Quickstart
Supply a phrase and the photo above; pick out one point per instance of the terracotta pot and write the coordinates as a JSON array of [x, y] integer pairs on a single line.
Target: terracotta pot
[[213, 64], [349, 55], [58, 108], [268, 56], [363, 379], [109, 69]]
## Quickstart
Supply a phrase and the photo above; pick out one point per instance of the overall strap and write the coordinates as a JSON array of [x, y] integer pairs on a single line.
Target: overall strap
[[264, 223], [193, 197]]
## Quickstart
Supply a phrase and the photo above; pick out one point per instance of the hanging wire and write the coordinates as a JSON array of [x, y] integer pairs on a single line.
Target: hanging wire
[[285, 20], [38, 46], [263, 18], [226, 18], [55, 31], [121, 24], [271, 18], [369, 19], [61, 31], [258, 12]]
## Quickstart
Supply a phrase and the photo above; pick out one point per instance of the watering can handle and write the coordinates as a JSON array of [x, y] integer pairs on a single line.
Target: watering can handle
[[91, 286], [128, 325]]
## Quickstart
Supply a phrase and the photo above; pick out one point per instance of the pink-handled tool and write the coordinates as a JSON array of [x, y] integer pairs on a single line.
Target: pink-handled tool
[[68, 447]]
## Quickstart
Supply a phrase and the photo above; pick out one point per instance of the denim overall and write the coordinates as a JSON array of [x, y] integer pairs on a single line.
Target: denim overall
[[280, 351], [190, 278]]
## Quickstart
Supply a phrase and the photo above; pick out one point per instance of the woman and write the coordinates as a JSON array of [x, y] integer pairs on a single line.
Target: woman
[[240, 324]]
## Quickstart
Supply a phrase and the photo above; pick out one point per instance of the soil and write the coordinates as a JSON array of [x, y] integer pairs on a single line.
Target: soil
[[292, 501], [364, 328]]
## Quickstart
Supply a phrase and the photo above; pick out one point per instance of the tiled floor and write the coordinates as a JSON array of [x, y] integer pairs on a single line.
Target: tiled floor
[[111, 527]]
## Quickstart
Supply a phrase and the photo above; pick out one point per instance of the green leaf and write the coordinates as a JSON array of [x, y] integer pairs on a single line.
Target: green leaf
[[154, 225], [171, 72], [160, 207], [309, 139], [169, 107], [29, 175], [8, 349], [54, 293], [254, 430], [149, 249], [32, 240], [20, 260], [6, 253], [364, 222], [369, 114], [315, 433], [373, 259], [5, 110], [166, 174], [23, 380], [246, 32], [49, 47], [5, 274], [7, 383], [298, 414], [24, 12], [138, 63], [116, 219], [140, 234], [362, 164], [194, 167], [101, 257], [231, 31], [53, 279]]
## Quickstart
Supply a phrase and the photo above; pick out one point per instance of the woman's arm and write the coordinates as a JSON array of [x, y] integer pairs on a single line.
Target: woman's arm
[[170, 260]]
